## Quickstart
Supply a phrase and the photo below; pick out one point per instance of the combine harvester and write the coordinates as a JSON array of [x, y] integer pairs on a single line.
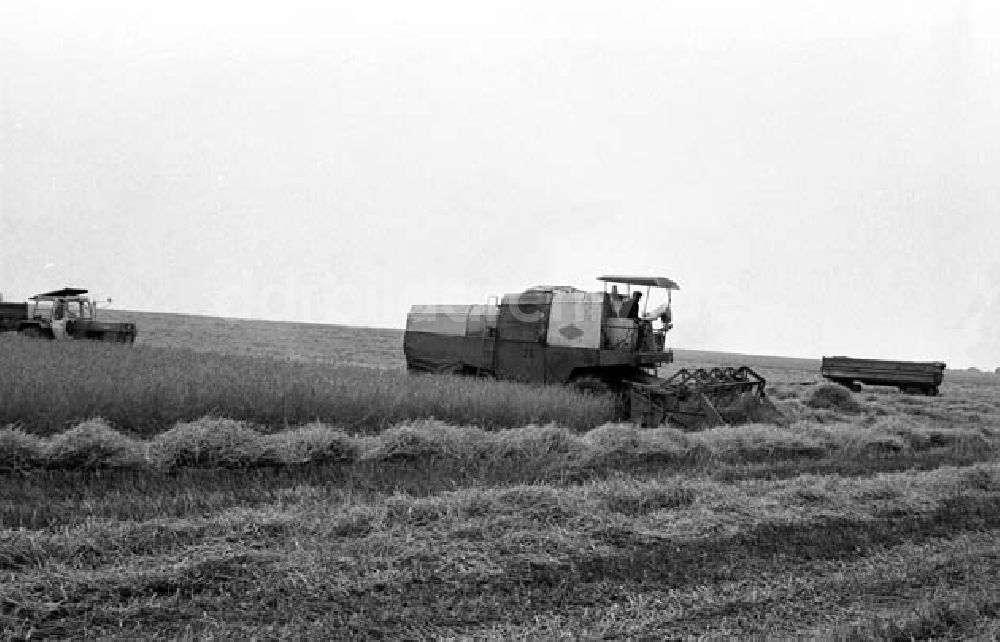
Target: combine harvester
[[597, 341]]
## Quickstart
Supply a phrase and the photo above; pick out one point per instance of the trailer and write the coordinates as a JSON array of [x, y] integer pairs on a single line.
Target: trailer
[[918, 377]]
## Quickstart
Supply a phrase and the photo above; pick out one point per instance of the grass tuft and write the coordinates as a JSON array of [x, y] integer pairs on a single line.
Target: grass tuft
[[19, 450], [92, 444], [935, 618], [636, 498], [427, 439], [619, 444], [532, 442], [209, 442], [315, 443], [832, 396], [761, 442]]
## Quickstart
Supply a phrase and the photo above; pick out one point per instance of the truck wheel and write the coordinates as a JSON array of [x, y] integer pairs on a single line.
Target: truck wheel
[[31, 332]]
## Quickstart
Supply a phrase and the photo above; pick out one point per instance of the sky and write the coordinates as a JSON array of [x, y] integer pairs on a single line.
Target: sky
[[820, 178]]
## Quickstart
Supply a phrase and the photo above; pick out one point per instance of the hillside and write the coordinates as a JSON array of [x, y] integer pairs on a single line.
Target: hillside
[[249, 479]]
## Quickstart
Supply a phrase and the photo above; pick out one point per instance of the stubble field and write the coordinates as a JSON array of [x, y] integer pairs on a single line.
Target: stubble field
[[238, 478]]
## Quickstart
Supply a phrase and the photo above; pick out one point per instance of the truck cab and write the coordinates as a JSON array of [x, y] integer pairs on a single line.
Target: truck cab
[[69, 314]]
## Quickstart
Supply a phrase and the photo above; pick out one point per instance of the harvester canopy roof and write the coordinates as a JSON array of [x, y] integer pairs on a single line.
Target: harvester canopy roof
[[652, 281], [553, 288], [61, 293]]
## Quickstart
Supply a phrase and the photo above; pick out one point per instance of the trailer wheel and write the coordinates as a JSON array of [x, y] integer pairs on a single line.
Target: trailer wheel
[[850, 384], [31, 332]]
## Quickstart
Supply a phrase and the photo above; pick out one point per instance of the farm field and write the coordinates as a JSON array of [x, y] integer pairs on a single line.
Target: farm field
[[236, 479]]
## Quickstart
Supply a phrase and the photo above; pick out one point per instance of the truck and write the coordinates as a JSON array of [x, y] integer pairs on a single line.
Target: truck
[[598, 341], [917, 377], [62, 314]]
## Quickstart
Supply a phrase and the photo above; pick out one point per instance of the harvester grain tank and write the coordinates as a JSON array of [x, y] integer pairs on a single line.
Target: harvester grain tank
[[62, 314], [605, 341]]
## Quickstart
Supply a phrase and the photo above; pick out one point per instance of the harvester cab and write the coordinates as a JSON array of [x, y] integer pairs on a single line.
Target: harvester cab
[[629, 323]]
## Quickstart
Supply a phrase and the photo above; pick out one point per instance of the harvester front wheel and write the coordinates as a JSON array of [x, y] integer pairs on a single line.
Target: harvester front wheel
[[591, 385]]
